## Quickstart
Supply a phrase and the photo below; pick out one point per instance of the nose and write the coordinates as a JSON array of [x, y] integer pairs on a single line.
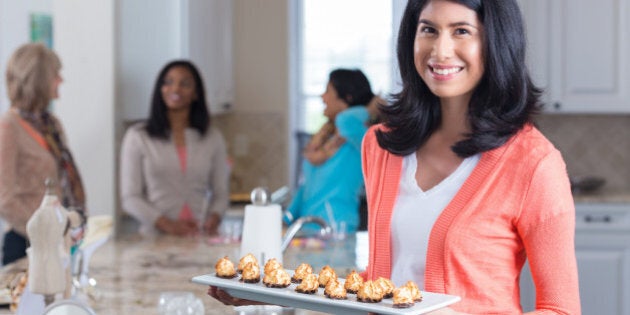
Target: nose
[[443, 47], [175, 87], [324, 100]]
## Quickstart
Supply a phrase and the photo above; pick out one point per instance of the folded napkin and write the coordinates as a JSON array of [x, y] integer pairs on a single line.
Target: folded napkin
[[98, 227]]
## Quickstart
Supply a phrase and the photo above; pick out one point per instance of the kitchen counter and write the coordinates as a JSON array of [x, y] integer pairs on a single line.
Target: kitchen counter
[[603, 196], [131, 271]]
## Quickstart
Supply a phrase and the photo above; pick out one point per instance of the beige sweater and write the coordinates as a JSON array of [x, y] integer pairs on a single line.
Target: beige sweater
[[24, 166], [152, 183]]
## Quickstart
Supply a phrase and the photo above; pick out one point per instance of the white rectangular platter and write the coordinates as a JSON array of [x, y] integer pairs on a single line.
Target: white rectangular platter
[[319, 302]]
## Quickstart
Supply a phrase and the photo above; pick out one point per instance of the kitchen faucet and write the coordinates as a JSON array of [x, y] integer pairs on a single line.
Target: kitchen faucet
[[325, 229]]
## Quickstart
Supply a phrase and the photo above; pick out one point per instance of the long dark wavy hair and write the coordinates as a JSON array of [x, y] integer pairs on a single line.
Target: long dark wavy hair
[[158, 125], [502, 103], [352, 86]]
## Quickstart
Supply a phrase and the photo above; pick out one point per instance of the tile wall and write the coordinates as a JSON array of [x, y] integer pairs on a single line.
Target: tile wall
[[257, 144], [591, 145]]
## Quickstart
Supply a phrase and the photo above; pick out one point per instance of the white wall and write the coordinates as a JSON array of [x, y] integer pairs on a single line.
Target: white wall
[[84, 40], [148, 35]]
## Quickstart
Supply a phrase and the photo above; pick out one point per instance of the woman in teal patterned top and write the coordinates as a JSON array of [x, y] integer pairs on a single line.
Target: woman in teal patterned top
[[332, 177]]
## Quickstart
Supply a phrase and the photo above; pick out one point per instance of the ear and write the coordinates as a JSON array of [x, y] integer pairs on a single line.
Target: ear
[[348, 99]]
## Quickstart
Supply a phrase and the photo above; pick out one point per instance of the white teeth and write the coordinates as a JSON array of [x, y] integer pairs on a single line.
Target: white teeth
[[446, 71]]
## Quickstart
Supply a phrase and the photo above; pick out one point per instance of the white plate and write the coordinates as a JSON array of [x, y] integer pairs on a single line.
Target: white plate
[[318, 302]]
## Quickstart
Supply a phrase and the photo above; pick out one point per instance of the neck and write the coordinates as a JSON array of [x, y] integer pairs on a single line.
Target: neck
[[178, 119], [455, 118]]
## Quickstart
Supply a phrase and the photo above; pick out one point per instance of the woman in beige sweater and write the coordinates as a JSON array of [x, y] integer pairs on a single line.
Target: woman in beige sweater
[[33, 146], [174, 171]]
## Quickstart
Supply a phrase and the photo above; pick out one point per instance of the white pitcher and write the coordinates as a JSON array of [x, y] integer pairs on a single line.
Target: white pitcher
[[262, 228]]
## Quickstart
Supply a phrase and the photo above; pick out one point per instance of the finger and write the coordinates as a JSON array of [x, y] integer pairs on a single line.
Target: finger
[[212, 291], [225, 298]]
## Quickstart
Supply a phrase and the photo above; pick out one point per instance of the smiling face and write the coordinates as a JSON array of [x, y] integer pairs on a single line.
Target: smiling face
[[334, 103], [448, 49], [178, 88]]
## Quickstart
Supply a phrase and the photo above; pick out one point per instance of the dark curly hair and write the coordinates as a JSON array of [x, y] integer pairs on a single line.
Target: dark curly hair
[[503, 102]]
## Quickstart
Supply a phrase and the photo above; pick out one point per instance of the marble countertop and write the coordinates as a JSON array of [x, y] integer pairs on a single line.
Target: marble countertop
[[603, 196], [132, 272]]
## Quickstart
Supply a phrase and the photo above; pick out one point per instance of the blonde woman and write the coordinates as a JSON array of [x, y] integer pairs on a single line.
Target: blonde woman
[[33, 146]]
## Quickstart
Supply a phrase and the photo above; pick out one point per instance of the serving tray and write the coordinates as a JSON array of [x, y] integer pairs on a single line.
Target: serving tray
[[318, 301]]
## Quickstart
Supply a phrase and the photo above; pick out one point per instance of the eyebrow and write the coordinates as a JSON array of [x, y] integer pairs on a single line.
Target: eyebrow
[[425, 21]]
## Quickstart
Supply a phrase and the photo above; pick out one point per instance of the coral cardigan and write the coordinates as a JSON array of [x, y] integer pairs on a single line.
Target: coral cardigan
[[515, 205]]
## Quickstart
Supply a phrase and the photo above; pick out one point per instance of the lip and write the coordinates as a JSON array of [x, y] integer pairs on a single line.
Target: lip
[[444, 72], [174, 97]]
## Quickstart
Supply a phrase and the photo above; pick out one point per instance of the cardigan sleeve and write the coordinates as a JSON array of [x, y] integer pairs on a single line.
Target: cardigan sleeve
[[379, 175], [132, 180], [547, 225], [365, 148]]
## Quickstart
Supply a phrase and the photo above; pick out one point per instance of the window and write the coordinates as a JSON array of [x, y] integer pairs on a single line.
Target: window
[[329, 34], [339, 34]]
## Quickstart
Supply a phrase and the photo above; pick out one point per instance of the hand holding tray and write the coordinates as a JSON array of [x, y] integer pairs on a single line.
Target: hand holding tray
[[318, 302]]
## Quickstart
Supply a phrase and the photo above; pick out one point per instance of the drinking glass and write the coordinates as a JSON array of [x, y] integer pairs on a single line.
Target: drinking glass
[[230, 231], [340, 231], [179, 303]]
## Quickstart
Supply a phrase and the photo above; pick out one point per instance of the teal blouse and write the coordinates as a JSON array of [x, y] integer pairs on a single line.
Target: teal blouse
[[335, 184]]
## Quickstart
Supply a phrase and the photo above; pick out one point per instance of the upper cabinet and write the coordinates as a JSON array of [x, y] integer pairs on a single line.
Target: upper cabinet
[[208, 44], [151, 33], [578, 52]]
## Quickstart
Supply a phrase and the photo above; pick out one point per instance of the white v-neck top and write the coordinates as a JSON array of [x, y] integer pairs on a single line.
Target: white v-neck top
[[415, 212]]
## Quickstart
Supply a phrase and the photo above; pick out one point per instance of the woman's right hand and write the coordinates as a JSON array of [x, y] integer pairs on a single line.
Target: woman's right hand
[[227, 299], [176, 227]]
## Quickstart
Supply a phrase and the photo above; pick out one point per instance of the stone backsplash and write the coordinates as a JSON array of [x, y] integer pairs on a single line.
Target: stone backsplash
[[597, 145], [257, 144]]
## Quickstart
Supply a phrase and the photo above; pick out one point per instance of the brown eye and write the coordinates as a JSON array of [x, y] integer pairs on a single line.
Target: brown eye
[[461, 31], [427, 29]]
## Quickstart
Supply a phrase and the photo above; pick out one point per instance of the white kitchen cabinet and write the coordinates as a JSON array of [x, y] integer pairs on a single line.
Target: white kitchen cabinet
[[151, 33], [208, 24], [578, 52], [602, 249]]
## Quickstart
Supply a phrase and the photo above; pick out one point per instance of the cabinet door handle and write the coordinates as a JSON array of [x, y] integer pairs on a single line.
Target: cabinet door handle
[[600, 219]]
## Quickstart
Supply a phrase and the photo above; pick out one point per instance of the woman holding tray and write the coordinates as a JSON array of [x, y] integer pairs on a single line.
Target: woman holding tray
[[461, 187]]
